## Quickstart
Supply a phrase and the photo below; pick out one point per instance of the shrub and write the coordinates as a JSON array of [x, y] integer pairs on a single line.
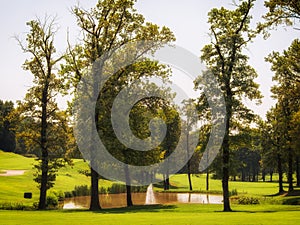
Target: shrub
[[245, 200], [117, 188], [291, 201], [233, 192], [103, 190], [68, 194], [12, 206], [51, 201], [82, 190]]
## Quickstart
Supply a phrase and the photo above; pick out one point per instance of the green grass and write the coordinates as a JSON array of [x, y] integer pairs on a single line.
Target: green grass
[[12, 188], [11, 161], [159, 215], [215, 186]]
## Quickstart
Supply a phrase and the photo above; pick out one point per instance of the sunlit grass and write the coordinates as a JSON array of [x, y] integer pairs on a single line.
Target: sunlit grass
[[159, 215]]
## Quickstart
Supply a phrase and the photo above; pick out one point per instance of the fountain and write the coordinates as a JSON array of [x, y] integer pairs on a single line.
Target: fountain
[[150, 198]]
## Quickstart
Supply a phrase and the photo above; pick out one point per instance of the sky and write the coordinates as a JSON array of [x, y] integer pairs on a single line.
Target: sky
[[187, 19]]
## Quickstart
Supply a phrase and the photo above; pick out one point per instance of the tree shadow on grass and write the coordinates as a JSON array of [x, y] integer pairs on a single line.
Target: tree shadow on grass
[[132, 209]]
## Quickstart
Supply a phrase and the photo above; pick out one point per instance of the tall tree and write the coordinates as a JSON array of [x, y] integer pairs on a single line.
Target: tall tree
[[287, 74], [230, 32], [7, 134], [39, 103], [108, 26], [273, 142], [190, 122]]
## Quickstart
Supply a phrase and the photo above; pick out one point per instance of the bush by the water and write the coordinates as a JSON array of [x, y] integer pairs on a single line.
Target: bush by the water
[[233, 192], [53, 199], [291, 201], [13, 206], [245, 200], [116, 188], [121, 188]]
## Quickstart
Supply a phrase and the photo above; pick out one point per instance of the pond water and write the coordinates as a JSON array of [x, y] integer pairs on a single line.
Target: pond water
[[119, 200]]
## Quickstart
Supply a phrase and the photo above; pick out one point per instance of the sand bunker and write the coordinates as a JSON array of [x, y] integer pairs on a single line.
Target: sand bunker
[[6, 173]]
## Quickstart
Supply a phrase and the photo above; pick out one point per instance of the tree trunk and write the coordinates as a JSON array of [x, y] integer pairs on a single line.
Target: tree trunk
[[44, 181], [207, 179], [188, 160], [243, 175], [43, 145], [290, 169], [225, 148], [190, 180], [167, 183], [128, 187], [263, 175], [95, 203], [280, 173], [298, 171], [271, 176], [225, 179], [166, 179]]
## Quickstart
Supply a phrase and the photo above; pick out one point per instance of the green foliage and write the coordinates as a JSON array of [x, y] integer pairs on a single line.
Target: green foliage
[[246, 200], [233, 192], [51, 201], [117, 188], [7, 127], [13, 206], [291, 201], [230, 33], [82, 190], [280, 12]]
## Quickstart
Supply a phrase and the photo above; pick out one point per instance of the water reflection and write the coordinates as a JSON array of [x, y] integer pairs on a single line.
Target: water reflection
[[119, 200]]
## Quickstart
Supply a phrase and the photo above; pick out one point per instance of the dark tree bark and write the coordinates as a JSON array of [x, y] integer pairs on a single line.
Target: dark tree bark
[[188, 157], [43, 145], [263, 175], [128, 187], [271, 176], [207, 179], [280, 173], [225, 146], [290, 169], [95, 203], [298, 171], [189, 175]]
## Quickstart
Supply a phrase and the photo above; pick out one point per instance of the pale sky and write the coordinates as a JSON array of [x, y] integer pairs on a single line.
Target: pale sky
[[187, 19]]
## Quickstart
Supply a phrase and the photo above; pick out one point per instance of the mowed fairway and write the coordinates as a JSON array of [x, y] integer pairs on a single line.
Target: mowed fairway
[[174, 215], [13, 187]]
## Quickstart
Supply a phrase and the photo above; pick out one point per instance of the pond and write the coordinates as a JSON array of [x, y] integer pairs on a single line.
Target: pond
[[119, 200]]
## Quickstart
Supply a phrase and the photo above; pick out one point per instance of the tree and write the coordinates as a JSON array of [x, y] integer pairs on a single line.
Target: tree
[[295, 133], [287, 67], [230, 32], [39, 104], [282, 11], [7, 134], [273, 142], [108, 26], [188, 110]]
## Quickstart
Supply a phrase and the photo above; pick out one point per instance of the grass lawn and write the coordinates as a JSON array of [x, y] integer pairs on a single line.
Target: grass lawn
[[159, 215], [12, 188]]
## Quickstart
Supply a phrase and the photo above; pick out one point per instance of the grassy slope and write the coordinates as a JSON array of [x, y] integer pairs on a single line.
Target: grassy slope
[[13, 187], [159, 215]]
